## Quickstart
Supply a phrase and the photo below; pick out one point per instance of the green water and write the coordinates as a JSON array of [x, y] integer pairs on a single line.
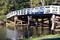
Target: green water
[[52, 39]]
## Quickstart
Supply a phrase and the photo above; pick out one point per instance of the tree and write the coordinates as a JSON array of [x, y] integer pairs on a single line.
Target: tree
[[35, 3], [10, 5], [3, 7], [20, 4], [48, 2]]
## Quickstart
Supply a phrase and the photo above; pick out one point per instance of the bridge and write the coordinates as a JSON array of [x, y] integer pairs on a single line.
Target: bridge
[[25, 12], [34, 18], [52, 9]]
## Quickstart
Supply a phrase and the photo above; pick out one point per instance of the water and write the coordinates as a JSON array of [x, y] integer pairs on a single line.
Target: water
[[11, 34], [51, 39]]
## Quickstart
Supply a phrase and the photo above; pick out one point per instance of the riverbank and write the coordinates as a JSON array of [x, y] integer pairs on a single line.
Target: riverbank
[[45, 37]]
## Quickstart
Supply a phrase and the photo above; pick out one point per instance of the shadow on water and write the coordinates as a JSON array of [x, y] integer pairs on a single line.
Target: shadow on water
[[51, 39]]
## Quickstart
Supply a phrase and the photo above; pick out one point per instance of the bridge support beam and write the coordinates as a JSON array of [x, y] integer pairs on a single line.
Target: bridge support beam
[[53, 24]]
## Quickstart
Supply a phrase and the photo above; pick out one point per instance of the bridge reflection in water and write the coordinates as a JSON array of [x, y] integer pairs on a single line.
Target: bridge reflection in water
[[34, 25]]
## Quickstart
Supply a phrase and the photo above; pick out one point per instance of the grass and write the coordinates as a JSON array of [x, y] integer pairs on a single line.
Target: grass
[[43, 37]]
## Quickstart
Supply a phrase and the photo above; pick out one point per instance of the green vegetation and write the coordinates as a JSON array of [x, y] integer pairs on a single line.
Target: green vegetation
[[10, 5], [3, 18], [2, 33], [44, 37]]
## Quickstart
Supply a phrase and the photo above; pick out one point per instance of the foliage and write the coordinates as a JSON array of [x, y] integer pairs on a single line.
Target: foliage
[[3, 18], [3, 7], [20, 4], [35, 3], [48, 2], [11, 5]]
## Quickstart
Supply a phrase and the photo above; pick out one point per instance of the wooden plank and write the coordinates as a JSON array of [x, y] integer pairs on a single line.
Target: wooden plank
[[21, 24], [45, 27], [58, 26], [57, 22], [57, 29]]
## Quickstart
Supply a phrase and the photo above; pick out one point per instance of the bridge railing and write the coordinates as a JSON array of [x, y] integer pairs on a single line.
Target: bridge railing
[[24, 12]]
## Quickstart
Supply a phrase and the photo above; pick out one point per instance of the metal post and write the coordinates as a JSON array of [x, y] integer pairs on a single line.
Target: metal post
[[28, 25], [42, 26], [36, 27], [15, 18], [53, 23], [28, 28], [49, 25]]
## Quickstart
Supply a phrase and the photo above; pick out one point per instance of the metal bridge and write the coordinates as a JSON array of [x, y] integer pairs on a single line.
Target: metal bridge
[[23, 18]]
